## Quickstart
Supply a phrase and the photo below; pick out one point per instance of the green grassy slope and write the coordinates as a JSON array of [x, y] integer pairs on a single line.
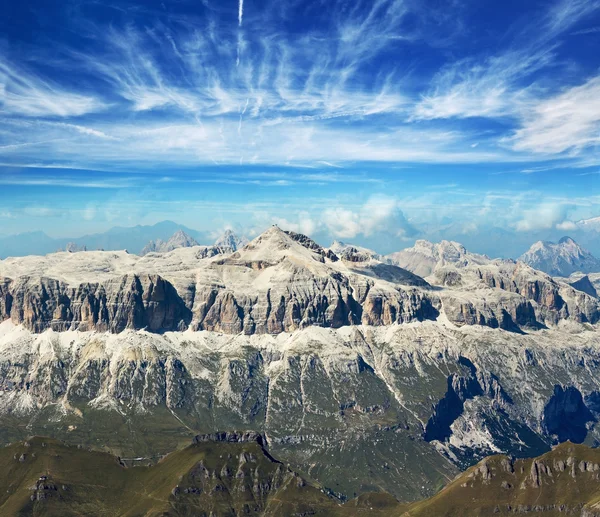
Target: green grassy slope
[[47, 478], [44, 477], [564, 481]]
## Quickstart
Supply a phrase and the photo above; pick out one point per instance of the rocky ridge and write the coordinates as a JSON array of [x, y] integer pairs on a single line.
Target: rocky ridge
[[423, 399], [561, 482], [280, 282], [426, 257]]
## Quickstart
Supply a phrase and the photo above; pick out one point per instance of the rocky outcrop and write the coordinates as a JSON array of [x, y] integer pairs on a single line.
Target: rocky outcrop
[[6, 298], [460, 389], [230, 241], [425, 258], [585, 286], [227, 437], [540, 301]]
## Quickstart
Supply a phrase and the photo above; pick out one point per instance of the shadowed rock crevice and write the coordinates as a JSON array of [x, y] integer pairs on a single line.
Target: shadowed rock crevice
[[449, 408], [566, 415]]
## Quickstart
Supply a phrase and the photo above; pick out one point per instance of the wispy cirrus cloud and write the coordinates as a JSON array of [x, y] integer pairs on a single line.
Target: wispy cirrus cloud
[[32, 181], [568, 121], [25, 93], [503, 84]]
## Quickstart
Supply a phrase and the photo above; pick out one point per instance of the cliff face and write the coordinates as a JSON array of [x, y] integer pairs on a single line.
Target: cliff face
[[280, 282], [127, 302]]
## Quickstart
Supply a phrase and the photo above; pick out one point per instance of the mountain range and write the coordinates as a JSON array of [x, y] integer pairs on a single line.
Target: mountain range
[[133, 239], [361, 374], [505, 243]]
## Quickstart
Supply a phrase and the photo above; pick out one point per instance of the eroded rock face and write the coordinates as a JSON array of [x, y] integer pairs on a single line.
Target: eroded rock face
[[5, 298], [460, 389], [129, 302], [585, 285]]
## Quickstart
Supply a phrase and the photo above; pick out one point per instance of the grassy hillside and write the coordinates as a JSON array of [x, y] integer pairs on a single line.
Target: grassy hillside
[[43, 477], [564, 481], [217, 477]]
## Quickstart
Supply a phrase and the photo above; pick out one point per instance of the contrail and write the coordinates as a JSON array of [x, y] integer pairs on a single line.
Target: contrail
[[240, 20], [243, 112]]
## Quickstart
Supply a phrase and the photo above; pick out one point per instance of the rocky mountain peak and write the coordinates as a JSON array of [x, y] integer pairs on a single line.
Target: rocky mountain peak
[[585, 285], [182, 240], [561, 259], [179, 239], [567, 241], [353, 253], [229, 240], [275, 244]]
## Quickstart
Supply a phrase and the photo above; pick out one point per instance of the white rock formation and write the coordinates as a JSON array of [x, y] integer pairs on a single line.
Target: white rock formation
[[425, 257], [230, 241]]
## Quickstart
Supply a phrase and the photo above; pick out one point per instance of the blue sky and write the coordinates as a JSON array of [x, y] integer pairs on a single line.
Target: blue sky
[[375, 121]]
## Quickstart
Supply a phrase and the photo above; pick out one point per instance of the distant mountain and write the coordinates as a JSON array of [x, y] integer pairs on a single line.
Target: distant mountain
[[561, 259], [179, 239], [71, 247], [133, 239], [230, 240], [353, 253], [30, 243], [425, 257], [592, 224]]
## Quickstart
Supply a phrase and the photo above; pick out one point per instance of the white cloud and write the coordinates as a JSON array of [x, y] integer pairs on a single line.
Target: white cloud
[[569, 121], [470, 89], [42, 211], [502, 84], [379, 214], [566, 225], [342, 223], [218, 141], [23, 93], [299, 221], [304, 224], [545, 216], [117, 183]]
